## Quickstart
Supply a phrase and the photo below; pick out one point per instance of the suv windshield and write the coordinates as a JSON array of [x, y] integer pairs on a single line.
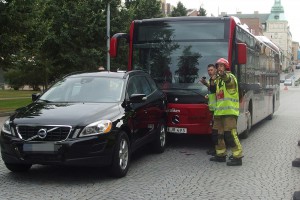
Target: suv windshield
[[85, 89]]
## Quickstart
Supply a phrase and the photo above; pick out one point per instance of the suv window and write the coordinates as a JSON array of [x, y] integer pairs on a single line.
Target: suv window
[[152, 84], [139, 85]]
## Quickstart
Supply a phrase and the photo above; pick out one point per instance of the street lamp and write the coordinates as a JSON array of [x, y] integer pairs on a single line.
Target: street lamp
[[108, 35]]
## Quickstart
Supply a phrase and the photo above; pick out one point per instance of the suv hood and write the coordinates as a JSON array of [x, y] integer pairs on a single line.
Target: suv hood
[[65, 113]]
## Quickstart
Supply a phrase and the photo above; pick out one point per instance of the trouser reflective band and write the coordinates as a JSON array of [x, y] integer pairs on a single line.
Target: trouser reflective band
[[237, 151], [221, 147], [214, 136]]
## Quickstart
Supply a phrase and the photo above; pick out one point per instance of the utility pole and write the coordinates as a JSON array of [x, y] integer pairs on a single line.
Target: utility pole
[[108, 35]]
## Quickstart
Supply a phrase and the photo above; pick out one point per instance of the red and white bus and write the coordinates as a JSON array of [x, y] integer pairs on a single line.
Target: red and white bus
[[176, 52]]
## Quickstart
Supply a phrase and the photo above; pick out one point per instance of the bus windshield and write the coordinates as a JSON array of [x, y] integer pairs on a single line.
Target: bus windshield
[[176, 55]]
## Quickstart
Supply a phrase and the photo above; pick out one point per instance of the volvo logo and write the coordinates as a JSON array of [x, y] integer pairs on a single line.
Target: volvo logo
[[42, 133], [175, 119]]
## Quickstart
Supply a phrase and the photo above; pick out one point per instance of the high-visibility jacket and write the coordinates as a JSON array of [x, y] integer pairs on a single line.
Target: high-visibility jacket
[[227, 97], [212, 101], [211, 95]]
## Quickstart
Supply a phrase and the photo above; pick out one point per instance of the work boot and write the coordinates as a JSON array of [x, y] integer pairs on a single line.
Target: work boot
[[218, 158], [234, 161], [211, 152]]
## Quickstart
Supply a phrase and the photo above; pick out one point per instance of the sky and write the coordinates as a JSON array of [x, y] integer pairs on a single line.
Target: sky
[[215, 7]]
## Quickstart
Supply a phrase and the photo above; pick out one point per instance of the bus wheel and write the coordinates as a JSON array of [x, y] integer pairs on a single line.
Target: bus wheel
[[245, 134]]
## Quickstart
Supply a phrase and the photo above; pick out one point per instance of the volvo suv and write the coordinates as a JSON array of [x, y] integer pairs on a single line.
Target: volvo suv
[[94, 119]]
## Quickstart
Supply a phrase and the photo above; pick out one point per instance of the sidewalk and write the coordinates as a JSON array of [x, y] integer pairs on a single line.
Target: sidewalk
[[4, 114]]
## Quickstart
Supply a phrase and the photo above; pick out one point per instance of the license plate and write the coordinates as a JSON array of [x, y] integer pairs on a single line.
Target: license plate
[[40, 147], [177, 130]]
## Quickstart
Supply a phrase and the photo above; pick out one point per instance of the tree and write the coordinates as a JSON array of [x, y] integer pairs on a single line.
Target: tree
[[133, 10], [42, 40], [202, 12], [187, 65], [178, 11]]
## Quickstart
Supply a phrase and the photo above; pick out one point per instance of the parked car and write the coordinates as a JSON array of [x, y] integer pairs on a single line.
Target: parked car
[[288, 82], [94, 119]]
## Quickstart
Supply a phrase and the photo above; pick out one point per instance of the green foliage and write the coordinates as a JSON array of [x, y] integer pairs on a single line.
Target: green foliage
[[202, 12], [178, 11], [42, 40], [187, 65]]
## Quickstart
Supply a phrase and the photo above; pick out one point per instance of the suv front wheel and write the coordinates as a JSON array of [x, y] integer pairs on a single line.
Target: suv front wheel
[[121, 157]]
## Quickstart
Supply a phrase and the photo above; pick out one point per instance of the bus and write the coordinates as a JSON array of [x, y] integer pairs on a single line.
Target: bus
[[175, 51]]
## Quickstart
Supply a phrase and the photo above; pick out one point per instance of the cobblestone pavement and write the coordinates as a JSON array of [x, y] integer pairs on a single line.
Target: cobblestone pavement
[[183, 172]]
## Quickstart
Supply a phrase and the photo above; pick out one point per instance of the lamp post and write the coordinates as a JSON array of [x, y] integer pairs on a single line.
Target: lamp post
[[108, 35]]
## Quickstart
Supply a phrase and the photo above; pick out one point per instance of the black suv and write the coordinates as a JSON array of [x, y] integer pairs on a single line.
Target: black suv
[[92, 119]]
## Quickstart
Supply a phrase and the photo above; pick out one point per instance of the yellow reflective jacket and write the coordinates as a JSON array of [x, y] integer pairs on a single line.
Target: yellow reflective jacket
[[227, 95]]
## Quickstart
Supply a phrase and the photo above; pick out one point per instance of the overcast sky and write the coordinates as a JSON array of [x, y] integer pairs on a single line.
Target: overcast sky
[[291, 9]]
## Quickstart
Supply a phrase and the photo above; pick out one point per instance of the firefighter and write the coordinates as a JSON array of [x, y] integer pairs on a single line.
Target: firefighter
[[225, 115]]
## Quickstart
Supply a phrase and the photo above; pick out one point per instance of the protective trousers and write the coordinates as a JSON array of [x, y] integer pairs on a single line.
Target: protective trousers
[[227, 136]]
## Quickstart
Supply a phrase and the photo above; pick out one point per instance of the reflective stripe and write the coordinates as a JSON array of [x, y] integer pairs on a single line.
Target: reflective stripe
[[226, 108], [229, 99]]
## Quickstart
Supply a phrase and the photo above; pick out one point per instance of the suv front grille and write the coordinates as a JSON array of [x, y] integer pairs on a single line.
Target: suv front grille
[[43, 133]]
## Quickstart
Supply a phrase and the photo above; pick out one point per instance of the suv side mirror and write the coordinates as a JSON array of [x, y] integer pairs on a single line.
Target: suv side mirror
[[35, 96], [137, 98]]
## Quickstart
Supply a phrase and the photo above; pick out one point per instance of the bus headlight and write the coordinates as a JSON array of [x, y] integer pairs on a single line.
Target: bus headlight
[[96, 128]]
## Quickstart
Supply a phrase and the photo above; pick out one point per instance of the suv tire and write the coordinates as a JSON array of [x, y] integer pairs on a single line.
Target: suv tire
[[121, 156]]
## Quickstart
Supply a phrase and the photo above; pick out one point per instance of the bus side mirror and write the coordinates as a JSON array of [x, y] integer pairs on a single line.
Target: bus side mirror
[[242, 53], [114, 43]]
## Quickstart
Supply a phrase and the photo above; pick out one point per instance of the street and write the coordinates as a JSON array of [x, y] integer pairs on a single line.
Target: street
[[184, 171]]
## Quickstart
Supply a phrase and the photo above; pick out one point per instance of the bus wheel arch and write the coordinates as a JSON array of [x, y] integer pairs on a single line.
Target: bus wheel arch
[[246, 132], [270, 117]]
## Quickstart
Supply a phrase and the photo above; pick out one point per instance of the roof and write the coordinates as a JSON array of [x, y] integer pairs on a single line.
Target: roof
[[118, 74], [262, 17]]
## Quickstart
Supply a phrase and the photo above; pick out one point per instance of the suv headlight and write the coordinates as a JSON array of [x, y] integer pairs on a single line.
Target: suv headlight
[[6, 128], [99, 127]]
